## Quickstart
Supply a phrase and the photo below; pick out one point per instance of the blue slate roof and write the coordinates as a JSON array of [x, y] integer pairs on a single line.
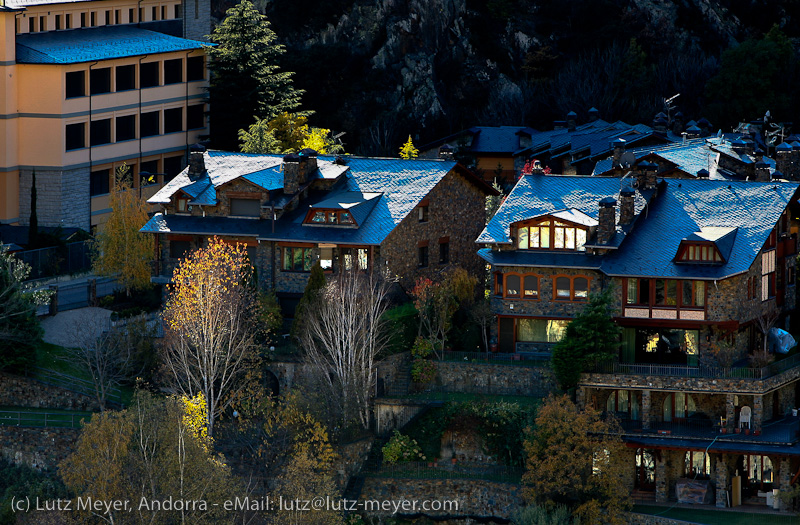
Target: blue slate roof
[[500, 139], [96, 43], [389, 190], [682, 209]]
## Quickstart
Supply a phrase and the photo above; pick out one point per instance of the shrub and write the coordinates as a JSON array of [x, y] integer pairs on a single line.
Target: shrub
[[401, 449], [423, 371], [402, 325]]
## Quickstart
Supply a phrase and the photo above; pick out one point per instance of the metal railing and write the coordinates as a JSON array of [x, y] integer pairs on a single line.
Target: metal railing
[[24, 418], [74, 384], [701, 371], [497, 358], [780, 431], [72, 258]]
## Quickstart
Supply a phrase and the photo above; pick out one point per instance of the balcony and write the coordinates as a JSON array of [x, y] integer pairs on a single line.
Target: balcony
[[777, 431]]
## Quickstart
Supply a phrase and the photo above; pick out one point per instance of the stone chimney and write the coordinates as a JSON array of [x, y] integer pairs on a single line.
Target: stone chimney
[[749, 145], [626, 208], [618, 147], [606, 227], [693, 132], [660, 123], [308, 157], [677, 123], [762, 172], [783, 158], [446, 152], [572, 120], [705, 126], [197, 163], [291, 173], [646, 178], [559, 124], [594, 114]]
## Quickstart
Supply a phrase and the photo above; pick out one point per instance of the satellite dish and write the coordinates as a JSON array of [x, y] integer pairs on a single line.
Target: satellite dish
[[627, 159]]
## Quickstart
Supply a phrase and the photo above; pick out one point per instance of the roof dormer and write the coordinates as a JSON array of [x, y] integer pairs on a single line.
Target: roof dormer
[[347, 208], [711, 245], [561, 230]]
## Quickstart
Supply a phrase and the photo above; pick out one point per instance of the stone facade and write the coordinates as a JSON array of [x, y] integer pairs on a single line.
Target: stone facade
[[18, 391], [62, 197], [494, 379], [474, 498], [196, 19], [38, 448]]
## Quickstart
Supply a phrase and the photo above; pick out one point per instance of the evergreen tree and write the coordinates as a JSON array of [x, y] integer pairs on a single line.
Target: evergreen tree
[[246, 81], [590, 337], [408, 151], [316, 282], [33, 227]]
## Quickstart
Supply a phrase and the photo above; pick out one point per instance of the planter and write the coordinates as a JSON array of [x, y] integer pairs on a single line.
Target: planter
[[747, 432], [738, 430], [453, 461], [757, 432], [723, 430], [494, 347]]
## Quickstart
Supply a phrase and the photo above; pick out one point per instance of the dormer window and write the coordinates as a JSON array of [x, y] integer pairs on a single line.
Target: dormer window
[[332, 217], [551, 234], [702, 253], [182, 204], [346, 218], [711, 245]]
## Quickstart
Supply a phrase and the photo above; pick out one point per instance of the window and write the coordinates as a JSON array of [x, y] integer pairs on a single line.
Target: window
[[326, 258], [679, 405], [148, 124], [148, 74], [126, 128], [141, 14], [498, 283], [100, 81], [444, 252], [108, 18], [697, 464], [173, 166], [345, 217], [702, 253], [329, 217], [163, 12], [100, 132], [75, 136], [547, 234], [131, 16], [177, 12], [297, 259], [58, 22], [571, 288], [181, 203], [422, 256], [355, 258], [759, 470], [173, 71], [173, 120], [666, 292], [767, 275], [126, 78], [83, 19], [246, 207], [541, 330], [68, 21], [422, 212], [42, 23], [195, 116], [623, 403], [693, 294], [99, 182], [178, 249], [32, 25], [93, 18], [117, 17], [76, 84], [517, 286], [530, 287], [513, 284], [195, 68], [154, 13]]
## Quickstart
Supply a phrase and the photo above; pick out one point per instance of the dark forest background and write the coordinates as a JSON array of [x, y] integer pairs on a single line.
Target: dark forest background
[[380, 70]]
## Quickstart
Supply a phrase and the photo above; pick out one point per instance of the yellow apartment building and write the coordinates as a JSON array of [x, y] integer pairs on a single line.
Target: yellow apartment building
[[86, 86]]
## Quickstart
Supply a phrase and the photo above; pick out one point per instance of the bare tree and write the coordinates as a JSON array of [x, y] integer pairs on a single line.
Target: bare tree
[[342, 337], [209, 341], [764, 315], [106, 353]]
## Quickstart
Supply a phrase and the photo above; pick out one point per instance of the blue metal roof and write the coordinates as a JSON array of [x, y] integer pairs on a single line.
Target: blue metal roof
[[680, 209], [96, 43]]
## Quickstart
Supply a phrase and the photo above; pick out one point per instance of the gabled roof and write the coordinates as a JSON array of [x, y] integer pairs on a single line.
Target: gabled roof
[[379, 192], [97, 43], [737, 216], [487, 139]]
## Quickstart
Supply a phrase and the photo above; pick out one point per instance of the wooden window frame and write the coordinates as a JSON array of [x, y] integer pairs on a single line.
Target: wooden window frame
[[539, 223], [687, 249], [679, 304], [423, 211], [342, 248], [300, 246], [572, 298], [761, 482], [328, 212], [522, 276]]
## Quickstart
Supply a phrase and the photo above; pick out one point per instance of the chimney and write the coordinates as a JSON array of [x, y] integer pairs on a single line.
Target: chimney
[[594, 114], [446, 152], [660, 123], [705, 126], [606, 227], [646, 179], [677, 123], [197, 163], [749, 145], [618, 146], [308, 163], [626, 208], [703, 174], [693, 132], [559, 124], [762, 172], [783, 158], [572, 120], [291, 173]]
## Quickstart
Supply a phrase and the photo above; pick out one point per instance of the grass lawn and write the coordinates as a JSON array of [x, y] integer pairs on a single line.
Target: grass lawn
[[718, 517], [42, 417]]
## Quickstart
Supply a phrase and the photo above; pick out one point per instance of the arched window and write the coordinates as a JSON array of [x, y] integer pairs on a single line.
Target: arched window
[[623, 403], [512, 285], [531, 287], [679, 406], [697, 464], [581, 287]]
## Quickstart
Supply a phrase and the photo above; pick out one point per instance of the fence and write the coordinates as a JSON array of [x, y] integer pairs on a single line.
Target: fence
[[72, 258], [43, 419], [706, 372], [74, 384], [498, 359], [77, 295]]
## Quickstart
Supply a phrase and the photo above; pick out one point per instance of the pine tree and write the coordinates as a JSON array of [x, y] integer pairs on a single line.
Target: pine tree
[[33, 227], [246, 81], [316, 282], [408, 151], [122, 250]]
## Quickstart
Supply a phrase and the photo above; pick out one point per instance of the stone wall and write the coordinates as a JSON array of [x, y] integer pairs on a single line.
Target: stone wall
[[474, 498], [647, 519], [196, 19], [39, 448], [351, 457], [391, 368], [62, 197], [494, 378], [456, 209], [16, 391], [394, 414]]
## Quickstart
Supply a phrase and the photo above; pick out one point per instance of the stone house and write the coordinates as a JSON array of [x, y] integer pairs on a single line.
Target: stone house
[[404, 218], [694, 265]]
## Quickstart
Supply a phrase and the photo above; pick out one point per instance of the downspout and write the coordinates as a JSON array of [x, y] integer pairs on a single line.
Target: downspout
[[91, 161], [139, 13], [186, 109], [272, 262], [140, 108]]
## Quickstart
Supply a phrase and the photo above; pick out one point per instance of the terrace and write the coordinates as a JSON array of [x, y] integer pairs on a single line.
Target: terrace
[[779, 431]]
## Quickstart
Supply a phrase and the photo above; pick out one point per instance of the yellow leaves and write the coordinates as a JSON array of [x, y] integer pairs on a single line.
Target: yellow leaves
[[195, 418], [408, 151]]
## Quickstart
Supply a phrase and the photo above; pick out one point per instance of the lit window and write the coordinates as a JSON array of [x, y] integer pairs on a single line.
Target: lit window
[[530, 287], [543, 235], [296, 259], [581, 288], [345, 218], [319, 217], [512, 286], [422, 213], [562, 288], [541, 330]]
